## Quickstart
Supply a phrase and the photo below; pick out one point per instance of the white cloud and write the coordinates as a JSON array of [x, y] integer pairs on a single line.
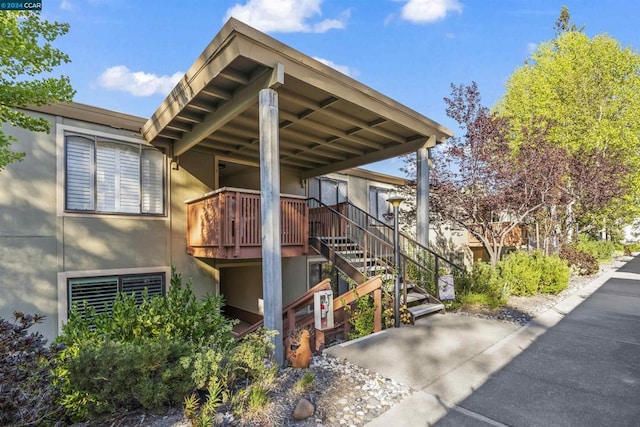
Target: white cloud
[[285, 16], [344, 69], [137, 83], [423, 11], [65, 5], [531, 47]]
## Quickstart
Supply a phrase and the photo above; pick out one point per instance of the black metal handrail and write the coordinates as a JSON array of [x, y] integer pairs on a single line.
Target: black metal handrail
[[327, 222], [345, 218], [412, 252]]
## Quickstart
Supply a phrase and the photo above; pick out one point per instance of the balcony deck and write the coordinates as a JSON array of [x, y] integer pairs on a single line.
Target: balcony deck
[[226, 224]]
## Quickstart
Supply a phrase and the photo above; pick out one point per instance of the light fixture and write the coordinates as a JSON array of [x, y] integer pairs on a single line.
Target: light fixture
[[395, 202], [175, 163]]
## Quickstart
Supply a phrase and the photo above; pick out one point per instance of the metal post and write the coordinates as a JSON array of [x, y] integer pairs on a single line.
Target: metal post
[[422, 196], [395, 201]]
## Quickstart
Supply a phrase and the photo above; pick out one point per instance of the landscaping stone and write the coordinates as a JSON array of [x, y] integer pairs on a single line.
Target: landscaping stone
[[303, 410]]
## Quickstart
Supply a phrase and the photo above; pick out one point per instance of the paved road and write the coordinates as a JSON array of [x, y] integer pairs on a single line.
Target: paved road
[[585, 371], [577, 364]]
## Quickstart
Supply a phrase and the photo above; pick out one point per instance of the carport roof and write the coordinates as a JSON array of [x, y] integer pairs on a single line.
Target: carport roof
[[328, 121]]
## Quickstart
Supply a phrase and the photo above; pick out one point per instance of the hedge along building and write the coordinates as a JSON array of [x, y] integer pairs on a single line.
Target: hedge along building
[[252, 119]]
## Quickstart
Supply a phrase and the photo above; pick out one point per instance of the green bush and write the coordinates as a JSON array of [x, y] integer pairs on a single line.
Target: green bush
[[146, 373], [632, 247], [555, 274], [483, 279], [132, 356], [521, 273], [602, 250], [361, 316]]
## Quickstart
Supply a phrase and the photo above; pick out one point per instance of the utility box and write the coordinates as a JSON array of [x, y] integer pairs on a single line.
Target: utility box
[[323, 309]]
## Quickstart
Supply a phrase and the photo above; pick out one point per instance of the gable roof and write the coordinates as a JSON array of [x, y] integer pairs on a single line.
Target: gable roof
[[328, 121]]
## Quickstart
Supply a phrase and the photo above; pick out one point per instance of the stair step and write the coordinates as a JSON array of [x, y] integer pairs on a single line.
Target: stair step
[[424, 309], [357, 252], [414, 297]]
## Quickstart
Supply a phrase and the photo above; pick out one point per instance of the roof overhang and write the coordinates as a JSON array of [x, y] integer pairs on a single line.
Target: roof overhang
[[328, 121]]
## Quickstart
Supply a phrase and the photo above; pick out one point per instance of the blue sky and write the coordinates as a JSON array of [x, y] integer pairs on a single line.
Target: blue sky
[[127, 55]]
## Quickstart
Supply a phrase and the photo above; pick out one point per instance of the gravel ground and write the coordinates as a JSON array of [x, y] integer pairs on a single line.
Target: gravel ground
[[350, 395]]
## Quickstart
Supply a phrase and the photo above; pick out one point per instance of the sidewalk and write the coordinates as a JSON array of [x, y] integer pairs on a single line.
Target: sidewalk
[[447, 358]]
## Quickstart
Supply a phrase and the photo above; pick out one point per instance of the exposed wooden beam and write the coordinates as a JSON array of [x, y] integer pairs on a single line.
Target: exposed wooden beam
[[317, 149], [331, 131], [321, 142], [346, 118], [189, 117], [216, 92], [201, 106], [288, 134], [242, 99], [234, 76], [375, 156], [179, 126], [171, 134]]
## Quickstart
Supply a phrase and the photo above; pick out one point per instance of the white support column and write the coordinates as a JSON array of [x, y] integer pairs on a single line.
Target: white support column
[[270, 208], [422, 196]]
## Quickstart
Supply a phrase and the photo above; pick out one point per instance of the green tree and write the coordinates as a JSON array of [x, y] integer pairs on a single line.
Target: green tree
[[564, 24], [27, 59], [587, 92]]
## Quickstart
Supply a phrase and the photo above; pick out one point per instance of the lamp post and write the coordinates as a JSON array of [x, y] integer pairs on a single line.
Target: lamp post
[[395, 202]]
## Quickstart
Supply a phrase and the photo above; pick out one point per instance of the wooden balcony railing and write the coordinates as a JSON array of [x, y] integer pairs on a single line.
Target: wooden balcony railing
[[226, 224]]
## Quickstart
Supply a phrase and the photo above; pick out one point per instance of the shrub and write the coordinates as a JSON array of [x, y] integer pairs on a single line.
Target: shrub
[[521, 273], [483, 279], [132, 356], [27, 394], [361, 317], [633, 247], [145, 373], [252, 357], [241, 377], [555, 274], [602, 250], [582, 263], [203, 414]]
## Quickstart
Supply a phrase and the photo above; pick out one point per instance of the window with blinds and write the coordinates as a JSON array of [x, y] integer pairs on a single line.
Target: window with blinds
[[101, 292], [113, 177]]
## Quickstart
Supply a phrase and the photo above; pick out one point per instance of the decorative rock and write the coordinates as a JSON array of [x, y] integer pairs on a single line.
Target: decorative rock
[[303, 410]]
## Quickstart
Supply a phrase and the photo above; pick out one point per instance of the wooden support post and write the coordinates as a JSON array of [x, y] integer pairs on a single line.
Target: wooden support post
[[270, 216]]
